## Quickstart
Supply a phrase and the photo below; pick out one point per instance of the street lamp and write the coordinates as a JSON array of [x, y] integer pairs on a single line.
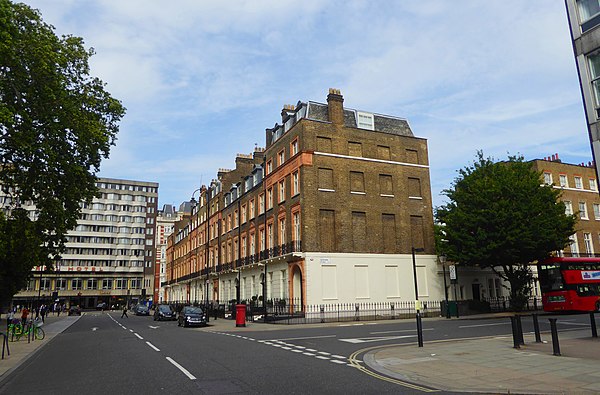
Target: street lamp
[[207, 285], [443, 262], [417, 304]]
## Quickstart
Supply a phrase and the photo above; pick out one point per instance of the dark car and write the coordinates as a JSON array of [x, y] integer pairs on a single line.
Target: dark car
[[141, 309], [164, 312], [191, 315], [101, 306], [74, 310]]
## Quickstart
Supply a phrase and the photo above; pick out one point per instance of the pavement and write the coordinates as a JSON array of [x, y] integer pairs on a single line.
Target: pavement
[[477, 365]]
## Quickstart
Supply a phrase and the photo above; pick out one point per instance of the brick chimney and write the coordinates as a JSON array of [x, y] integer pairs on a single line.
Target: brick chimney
[[335, 105]]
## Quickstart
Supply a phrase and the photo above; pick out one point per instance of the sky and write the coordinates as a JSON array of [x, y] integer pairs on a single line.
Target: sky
[[202, 80]]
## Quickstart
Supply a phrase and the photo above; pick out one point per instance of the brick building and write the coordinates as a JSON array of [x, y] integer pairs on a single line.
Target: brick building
[[327, 212], [165, 225]]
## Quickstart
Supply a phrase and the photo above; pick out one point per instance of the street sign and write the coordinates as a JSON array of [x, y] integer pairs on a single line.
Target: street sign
[[452, 269]]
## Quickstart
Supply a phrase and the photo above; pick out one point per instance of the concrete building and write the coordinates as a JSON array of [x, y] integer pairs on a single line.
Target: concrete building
[[165, 225], [109, 256], [328, 212], [584, 20]]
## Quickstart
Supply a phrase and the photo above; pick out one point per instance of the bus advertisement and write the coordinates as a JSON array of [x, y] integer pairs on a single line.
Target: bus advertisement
[[570, 284]]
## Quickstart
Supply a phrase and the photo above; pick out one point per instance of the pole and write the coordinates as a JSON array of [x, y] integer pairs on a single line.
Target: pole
[[446, 290], [456, 300], [417, 306]]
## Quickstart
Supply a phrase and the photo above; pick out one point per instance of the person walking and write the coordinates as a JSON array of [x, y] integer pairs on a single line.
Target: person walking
[[124, 311], [24, 314]]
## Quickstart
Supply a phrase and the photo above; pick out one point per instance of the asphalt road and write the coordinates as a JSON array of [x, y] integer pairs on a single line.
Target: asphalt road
[[102, 353]]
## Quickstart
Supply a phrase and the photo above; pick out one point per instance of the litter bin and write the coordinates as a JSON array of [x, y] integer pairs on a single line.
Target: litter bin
[[240, 315]]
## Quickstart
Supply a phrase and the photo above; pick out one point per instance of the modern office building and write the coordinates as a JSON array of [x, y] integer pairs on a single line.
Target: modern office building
[[330, 211], [584, 22], [109, 256]]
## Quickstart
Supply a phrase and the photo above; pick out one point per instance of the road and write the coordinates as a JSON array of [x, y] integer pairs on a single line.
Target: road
[[102, 353]]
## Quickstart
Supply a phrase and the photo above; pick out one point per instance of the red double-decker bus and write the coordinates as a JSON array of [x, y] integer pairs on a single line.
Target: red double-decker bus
[[570, 284]]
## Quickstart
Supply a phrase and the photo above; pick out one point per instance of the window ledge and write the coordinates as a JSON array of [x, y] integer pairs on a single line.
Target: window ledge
[[326, 190], [357, 193], [386, 195], [415, 197]]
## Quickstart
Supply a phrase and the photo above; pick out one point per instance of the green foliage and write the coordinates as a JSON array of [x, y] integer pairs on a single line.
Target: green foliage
[[56, 124], [500, 216]]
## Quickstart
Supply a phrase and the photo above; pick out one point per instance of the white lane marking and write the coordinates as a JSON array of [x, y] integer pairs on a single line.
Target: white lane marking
[[299, 347], [304, 338], [296, 350], [152, 346], [131, 330], [406, 330], [476, 326], [339, 362], [311, 350], [94, 329], [338, 356], [323, 353], [374, 339], [321, 357], [309, 354], [152, 327], [184, 370], [138, 336], [285, 348], [124, 327]]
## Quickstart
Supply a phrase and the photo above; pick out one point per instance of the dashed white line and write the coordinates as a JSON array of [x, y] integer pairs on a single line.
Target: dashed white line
[[138, 336], [152, 346], [131, 330], [338, 356], [321, 357], [323, 353], [184, 370], [311, 350], [296, 350], [309, 354], [338, 362]]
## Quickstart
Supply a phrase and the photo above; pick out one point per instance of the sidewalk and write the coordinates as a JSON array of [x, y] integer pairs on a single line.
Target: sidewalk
[[21, 350], [492, 365]]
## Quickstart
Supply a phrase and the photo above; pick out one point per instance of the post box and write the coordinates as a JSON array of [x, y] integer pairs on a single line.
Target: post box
[[240, 315]]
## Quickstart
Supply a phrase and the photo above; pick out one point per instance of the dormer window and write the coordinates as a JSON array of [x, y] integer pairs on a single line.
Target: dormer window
[[365, 120]]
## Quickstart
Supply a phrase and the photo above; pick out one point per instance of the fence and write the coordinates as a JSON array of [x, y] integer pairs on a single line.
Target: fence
[[502, 304]]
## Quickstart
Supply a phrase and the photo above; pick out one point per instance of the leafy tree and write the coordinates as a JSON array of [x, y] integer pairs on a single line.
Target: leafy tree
[[56, 124], [501, 217]]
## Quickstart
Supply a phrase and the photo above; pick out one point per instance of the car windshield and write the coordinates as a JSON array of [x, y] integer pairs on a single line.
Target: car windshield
[[142, 308], [164, 309], [192, 310]]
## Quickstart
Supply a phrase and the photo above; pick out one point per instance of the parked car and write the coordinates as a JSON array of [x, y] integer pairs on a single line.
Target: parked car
[[141, 309], [164, 312], [74, 310], [191, 315]]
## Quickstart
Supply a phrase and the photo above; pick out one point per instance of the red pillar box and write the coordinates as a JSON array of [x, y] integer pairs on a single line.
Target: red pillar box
[[240, 315]]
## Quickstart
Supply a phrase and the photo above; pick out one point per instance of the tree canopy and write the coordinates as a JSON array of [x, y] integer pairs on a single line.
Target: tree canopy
[[501, 216], [56, 124]]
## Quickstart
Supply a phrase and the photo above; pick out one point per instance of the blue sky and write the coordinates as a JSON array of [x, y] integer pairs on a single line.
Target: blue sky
[[201, 80]]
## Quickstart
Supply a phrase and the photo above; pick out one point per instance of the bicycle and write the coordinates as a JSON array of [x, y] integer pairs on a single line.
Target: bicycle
[[15, 330], [34, 328]]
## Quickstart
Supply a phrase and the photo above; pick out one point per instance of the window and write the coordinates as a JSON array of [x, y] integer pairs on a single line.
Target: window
[[61, 283], [107, 283], [548, 178], [295, 183], [583, 210], [296, 225], [578, 183], [92, 283], [269, 198], [136, 283], [326, 179], [354, 149], [121, 283], [412, 156], [251, 208], [588, 9], [269, 167], [414, 188], [76, 283], [270, 235], [385, 185], [587, 241], [261, 203], [596, 211], [593, 185], [282, 231], [568, 207], [594, 64], [365, 120], [563, 181], [244, 214], [45, 284], [281, 195], [359, 231], [357, 182], [280, 158], [294, 147]]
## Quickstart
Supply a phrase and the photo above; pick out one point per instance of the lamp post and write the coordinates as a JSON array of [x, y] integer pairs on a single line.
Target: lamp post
[[417, 303], [443, 262], [207, 285]]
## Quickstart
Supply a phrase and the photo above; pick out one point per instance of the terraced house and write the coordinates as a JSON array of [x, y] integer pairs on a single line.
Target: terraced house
[[328, 212]]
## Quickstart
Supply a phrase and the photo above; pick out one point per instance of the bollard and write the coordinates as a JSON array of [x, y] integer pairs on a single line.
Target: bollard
[[357, 318], [555, 345], [520, 330], [419, 329], [513, 324], [593, 324], [392, 308], [536, 328], [322, 308]]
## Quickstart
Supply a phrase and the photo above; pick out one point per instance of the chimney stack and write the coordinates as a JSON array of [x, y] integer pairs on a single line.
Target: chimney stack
[[335, 106]]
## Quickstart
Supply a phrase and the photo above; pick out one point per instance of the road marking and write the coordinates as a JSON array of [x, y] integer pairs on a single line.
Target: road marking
[[304, 338], [296, 350], [152, 327], [184, 370], [286, 348], [310, 349], [321, 357], [323, 353], [475, 326], [338, 356], [572, 323], [338, 362], [152, 346], [131, 330], [406, 330], [375, 339], [138, 336], [309, 354], [94, 329]]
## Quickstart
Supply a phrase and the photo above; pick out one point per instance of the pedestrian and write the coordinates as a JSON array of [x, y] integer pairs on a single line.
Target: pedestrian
[[43, 311], [24, 314], [124, 311]]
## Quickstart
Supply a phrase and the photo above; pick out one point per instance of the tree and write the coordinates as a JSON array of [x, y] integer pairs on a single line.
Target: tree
[[56, 124], [501, 216]]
